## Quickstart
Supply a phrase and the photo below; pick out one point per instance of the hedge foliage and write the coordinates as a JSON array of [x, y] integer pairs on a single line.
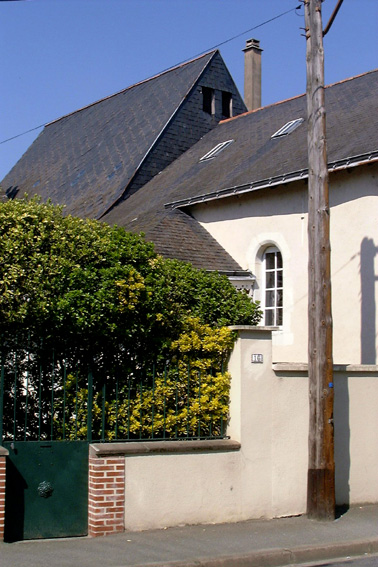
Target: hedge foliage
[[100, 298], [78, 281]]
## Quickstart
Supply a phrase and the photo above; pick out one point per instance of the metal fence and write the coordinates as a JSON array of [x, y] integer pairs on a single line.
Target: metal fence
[[50, 396]]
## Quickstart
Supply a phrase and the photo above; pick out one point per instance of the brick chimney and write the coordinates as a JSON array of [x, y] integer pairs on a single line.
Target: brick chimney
[[252, 74]]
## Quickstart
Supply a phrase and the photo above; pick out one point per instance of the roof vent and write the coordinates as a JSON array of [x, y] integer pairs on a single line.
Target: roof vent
[[288, 128], [216, 150]]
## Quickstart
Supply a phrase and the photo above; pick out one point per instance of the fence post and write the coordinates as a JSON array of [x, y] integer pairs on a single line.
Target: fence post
[[2, 398], [103, 420], [90, 405]]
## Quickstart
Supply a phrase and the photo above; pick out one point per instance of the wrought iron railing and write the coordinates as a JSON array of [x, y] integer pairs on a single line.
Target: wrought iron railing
[[49, 396]]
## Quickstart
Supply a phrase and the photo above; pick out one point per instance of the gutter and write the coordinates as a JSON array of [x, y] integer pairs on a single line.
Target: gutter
[[302, 174]]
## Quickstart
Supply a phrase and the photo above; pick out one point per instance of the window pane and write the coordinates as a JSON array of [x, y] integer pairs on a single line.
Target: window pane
[[207, 100], [270, 279], [269, 317], [269, 298], [279, 314], [279, 260], [279, 298], [226, 104], [279, 279], [269, 261]]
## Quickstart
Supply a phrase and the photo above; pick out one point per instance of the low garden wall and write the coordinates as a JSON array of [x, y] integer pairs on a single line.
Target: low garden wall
[[261, 471]]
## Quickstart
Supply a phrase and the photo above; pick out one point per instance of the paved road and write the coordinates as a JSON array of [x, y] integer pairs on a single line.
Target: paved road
[[253, 543], [368, 561]]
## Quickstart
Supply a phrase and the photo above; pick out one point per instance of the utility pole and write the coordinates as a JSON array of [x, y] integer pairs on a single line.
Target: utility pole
[[321, 466]]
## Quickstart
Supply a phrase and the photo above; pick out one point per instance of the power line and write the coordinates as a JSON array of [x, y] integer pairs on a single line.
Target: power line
[[252, 29], [23, 133], [185, 60]]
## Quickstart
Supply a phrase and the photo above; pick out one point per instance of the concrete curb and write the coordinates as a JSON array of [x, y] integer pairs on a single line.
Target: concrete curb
[[281, 557]]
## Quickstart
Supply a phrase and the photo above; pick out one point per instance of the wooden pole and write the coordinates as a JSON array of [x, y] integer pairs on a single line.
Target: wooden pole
[[321, 467]]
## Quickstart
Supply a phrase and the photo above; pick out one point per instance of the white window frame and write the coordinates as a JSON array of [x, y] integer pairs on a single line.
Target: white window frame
[[275, 290], [216, 150], [288, 128]]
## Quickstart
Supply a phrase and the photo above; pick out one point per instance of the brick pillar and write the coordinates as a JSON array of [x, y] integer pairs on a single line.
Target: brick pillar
[[106, 496], [3, 457]]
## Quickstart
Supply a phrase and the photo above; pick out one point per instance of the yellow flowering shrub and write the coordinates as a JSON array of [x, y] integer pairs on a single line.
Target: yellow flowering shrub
[[188, 398]]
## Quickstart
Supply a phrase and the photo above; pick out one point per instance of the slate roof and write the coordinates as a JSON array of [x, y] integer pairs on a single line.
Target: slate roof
[[86, 159], [253, 157], [177, 235]]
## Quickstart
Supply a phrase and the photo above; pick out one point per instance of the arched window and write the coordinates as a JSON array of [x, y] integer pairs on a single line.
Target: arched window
[[272, 300]]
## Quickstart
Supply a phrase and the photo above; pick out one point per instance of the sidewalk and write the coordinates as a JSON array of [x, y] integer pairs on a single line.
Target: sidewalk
[[255, 543]]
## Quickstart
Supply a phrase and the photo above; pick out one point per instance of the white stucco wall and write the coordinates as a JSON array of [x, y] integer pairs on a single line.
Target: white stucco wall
[[244, 225], [267, 477], [356, 437]]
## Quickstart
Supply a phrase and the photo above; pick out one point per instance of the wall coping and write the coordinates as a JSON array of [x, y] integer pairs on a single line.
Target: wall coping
[[3, 452], [303, 367], [253, 328], [162, 447]]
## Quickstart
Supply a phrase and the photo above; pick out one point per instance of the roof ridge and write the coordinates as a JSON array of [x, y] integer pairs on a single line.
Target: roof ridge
[[261, 108], [351, 78], [296, 96], [178, 66]]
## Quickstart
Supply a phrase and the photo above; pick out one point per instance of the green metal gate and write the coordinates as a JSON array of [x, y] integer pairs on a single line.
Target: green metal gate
[[46, 489], [47, 467]]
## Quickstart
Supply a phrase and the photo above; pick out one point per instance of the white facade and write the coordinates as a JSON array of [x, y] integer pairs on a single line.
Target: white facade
[[246, 225]]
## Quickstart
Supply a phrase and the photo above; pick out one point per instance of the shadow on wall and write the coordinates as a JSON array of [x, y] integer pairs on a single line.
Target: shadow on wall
[[369, 279], [14, 504], [342, 442], [368, 306]]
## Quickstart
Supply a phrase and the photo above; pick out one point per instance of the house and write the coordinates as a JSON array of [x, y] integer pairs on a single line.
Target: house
[[179, 158], [250, 195]]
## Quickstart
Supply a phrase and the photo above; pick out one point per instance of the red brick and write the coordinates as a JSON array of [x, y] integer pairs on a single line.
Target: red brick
[[97, 485], [97, 474], [95, 532], [112, 522], [98, 500], [114, 474], [105, 467], [101, 492], [116, 509]]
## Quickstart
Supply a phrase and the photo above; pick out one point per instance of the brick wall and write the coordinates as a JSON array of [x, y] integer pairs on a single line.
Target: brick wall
[[106, 495], [2, 496]]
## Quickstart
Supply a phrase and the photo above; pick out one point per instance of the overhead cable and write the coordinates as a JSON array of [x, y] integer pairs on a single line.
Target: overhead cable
[[182, 62]]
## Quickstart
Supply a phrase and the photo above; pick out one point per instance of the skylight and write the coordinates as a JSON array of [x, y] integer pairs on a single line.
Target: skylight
[[216, 150], [288, 128]]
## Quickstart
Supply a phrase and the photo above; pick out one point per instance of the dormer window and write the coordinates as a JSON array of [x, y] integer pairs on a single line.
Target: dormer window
[[288, 128], [216, 150], [208, 100]]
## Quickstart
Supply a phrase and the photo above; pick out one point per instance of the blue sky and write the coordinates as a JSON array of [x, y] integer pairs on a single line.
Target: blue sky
[[60, 55]]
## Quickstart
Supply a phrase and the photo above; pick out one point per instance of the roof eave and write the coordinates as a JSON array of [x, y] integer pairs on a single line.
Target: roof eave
[[338, 165]]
